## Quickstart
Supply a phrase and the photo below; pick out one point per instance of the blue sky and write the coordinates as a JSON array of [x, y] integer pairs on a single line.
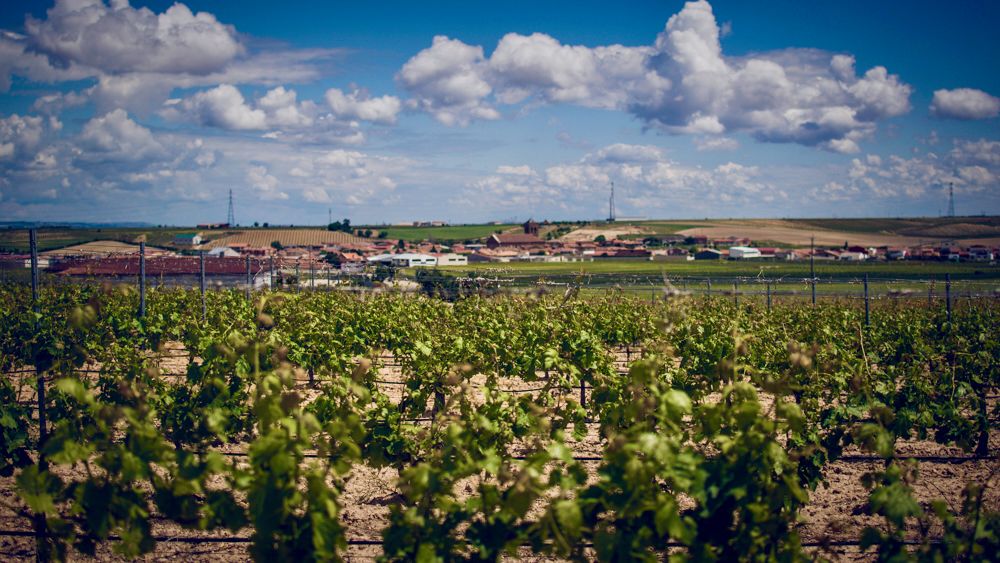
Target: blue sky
[[397, 111]]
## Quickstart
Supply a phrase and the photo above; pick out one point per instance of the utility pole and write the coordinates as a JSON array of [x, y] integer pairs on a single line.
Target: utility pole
[[951, 199], [611, 204], [230, 217]]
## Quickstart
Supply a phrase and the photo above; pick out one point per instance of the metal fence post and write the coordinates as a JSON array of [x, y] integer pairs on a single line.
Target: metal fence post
[[947, 295], [248, 278], [812, 267], [868, 311], [201, 278], [142, 279], [40, 525]]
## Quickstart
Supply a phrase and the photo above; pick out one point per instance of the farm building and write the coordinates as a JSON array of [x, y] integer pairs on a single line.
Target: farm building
[[187, 239], [708, 254], [223, 251], [412, 260], [452, 260], [743, 252], [513, 240]]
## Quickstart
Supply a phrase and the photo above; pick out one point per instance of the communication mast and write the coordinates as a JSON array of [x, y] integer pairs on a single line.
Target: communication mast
[[611, 204], [951, 199], [230, 218]]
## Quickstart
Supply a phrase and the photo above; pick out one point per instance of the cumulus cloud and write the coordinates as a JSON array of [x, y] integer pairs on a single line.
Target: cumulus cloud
[[682, 83], [716, 143], [281, 114], [119, 38], [971, 166], [448, 80], [264, 183], [138, 57], [350, 176], [644, 177], [964, 103], [22, 135], [358, 105], [115, 136]]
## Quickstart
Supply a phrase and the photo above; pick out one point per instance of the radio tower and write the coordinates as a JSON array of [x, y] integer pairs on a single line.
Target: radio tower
[[230, 218], [951, 199], [611, 204]]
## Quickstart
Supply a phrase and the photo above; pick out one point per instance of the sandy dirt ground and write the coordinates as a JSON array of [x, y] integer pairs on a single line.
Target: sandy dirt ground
[[588, 234], [835, 510], [792, 234]]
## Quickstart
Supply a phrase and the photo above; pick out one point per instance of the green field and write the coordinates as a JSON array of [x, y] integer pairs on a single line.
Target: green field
[[908, 226], [706, 268], [450, 233], [16, 240]]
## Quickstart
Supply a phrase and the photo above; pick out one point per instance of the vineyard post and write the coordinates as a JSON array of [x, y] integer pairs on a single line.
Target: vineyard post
[[709, 281], [41, 527], [201, 281], [736, 293], [328, 268], [298, 280], [947, 295], [652, 295], [812, 267], [930, 293], [583, 393], [868, 311], [312, 273], [249, 282], [768, 296], [142, 279]]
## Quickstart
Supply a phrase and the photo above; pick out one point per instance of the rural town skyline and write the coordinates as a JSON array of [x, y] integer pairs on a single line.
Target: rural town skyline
[[153, 111]]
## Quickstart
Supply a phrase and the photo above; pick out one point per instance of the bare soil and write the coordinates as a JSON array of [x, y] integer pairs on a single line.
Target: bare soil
[[836, 510]]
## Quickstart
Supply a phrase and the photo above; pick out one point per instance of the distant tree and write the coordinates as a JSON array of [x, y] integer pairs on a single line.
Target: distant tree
[[276, 244], [266, 225], [368, 233], [382, 234], [255, 224], [401, 245], [600, 239], [342, 226]]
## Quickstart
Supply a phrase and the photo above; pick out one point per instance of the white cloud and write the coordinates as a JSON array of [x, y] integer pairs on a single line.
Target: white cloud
[[138, 57], [358, 105], [645, 179], [21, 134], [264, 183], [115, 136], [683, 83], [119, 38], [447, 80], [223, 106], [964, 103], [523, 170], [716, 143]]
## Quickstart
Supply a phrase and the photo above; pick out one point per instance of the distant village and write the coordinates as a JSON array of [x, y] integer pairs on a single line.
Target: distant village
[[313, 253]]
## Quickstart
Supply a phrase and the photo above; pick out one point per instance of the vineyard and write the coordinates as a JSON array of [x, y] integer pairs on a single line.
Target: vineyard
[[325, 426]]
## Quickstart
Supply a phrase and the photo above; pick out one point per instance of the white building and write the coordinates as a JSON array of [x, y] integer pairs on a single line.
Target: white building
[[223, 251], [452, 260], [187, 239], [743, 252], [411, 260]]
